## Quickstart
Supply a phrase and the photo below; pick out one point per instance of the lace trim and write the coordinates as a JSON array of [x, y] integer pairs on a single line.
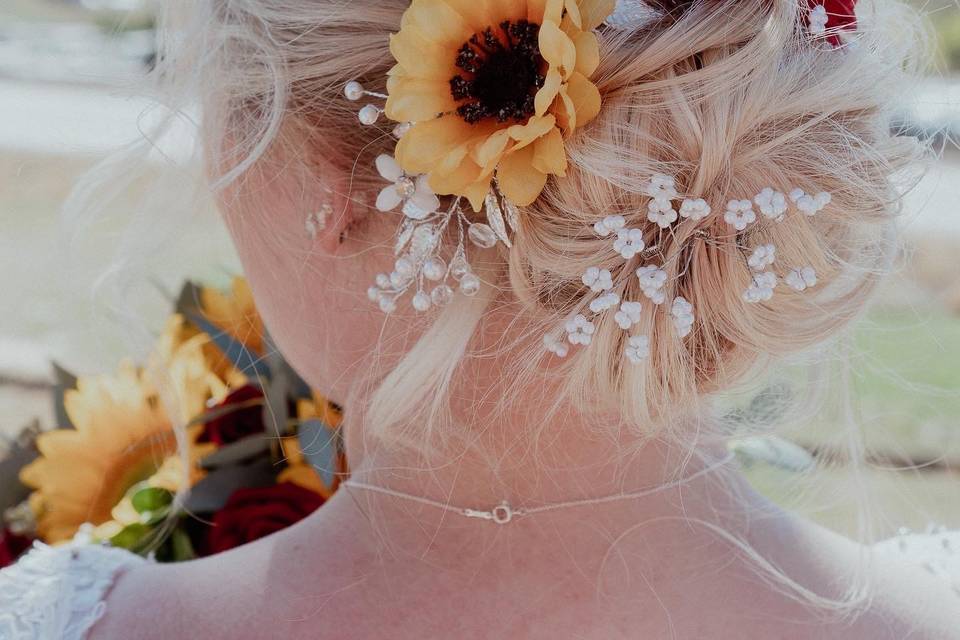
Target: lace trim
[[58, 592], [937, 551]]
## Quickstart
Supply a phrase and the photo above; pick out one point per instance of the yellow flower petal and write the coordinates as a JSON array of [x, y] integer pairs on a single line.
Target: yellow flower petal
[[548, 92], [519, 180], [585, 97], [416, 99], [552, 12], [429, 141], [475, 13], [439, 19], [557, 48], [594, 12], [419, 57], [588, 53], [573, 12], [549, 155], [490, 150], [525, 134]]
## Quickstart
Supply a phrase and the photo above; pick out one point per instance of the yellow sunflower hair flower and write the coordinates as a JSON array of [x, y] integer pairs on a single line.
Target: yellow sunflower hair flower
[[493, 88]]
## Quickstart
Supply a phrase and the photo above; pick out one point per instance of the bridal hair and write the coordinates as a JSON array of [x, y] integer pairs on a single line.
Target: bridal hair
[[730, 97]]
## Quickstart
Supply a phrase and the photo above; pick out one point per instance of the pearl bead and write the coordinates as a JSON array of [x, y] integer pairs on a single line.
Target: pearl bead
[[369, 115], [421, 301], [442, 295], [401, 130], [374, 294], [353, 90], [434, 269], [383, 280], [470, 285]]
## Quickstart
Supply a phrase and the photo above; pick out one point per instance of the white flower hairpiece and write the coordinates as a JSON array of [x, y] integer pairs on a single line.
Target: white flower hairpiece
[[653, 279], [739, 214]]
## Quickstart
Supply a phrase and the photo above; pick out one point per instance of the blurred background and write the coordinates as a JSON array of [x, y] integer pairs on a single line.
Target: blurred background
[[68, 70]]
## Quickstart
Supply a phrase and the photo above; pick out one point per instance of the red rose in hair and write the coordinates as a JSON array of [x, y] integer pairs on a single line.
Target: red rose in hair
[[11, 547], [251, 514], [244, 418]]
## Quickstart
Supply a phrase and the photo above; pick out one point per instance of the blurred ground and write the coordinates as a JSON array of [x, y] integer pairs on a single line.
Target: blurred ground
[[906, 365]]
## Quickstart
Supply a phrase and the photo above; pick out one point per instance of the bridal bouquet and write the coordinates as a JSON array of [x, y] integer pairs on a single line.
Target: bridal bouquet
[[213, 442]]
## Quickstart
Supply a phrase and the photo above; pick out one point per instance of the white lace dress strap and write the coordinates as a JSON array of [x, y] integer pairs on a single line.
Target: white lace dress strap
[[58, 592], [937, 551]]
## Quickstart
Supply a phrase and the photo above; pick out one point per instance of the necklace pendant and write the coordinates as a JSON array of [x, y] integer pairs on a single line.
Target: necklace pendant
[[501, 514]]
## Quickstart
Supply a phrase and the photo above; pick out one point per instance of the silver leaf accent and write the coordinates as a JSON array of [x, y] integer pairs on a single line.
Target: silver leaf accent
[[512, 215], [495, 218], [404, 235]]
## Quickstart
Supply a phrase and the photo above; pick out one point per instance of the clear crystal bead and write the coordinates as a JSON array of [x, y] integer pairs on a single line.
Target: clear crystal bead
[[387, 304], [405, 186], [424, 241], [421, 301], [482, 235], [470, 285], [404, 266], [459, 267], [399, 280], [434, 269], [401, 130], [442, 295]]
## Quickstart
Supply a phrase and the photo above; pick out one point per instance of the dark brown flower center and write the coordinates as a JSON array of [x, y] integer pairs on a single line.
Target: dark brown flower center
[[503, 71]]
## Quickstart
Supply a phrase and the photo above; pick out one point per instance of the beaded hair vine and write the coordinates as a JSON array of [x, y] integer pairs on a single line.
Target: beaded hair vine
[[484, 96]]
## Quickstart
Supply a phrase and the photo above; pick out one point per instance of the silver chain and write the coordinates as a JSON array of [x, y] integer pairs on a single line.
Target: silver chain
[[504, 513]]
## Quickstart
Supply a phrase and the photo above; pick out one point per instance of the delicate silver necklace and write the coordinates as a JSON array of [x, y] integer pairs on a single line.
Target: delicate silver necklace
[[504, 513]]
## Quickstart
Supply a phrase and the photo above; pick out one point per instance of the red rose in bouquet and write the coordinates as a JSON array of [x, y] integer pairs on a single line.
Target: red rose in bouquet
[[253, 513], [240, 415], [11, 547]]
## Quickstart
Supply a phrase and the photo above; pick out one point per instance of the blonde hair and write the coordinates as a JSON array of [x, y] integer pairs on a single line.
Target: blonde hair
[[730, 97]]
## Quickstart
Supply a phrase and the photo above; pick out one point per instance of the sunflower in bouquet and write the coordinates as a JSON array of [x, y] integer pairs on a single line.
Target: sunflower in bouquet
[[214, 442]]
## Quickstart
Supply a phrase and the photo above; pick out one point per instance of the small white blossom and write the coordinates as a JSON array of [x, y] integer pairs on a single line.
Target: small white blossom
[[818, 19], [629, 243], [801, 279], [739, 213], [772, 204], [695, 209], [628, 315], [555, 346], [682, 314], [652, 280], [810, 204], [604, 302], [638, 349], [413, 192], [580, 330], [597, 279], [762, 257], [662, 213], [761, 288], [661, 187], [610, 224]]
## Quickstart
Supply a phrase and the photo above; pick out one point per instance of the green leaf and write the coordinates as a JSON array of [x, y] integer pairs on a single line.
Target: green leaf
[[182, 546], [132, 537], [151, 500]]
